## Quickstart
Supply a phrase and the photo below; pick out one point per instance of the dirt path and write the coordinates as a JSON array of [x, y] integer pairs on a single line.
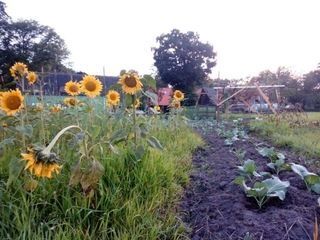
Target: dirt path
[[215, 208]]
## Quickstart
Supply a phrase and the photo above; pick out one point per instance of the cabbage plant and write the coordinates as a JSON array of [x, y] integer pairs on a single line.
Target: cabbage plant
[[264, 190], [311, 180]]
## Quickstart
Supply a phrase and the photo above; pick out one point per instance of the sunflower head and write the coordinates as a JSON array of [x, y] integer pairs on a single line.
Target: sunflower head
[[40, 164], [91, 86], [71, 101], [39, 107], [32, 77], [55, 108], [175, 104], [130, 83], [137, 103], [11, 102], [72, 88], [113, 98], [157, 108], [18, 70], [178, 95]]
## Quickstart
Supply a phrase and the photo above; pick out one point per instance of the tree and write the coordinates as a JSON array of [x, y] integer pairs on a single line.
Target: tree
[[34, 44], [3, 14], [182, 60]]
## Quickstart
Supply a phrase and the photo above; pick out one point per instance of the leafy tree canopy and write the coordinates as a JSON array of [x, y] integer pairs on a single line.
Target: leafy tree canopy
[[182, 60], [27, 41]]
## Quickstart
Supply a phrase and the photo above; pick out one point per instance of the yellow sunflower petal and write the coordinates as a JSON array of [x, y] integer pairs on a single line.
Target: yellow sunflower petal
[[130, 83], [11, 102], [113, 98], [72, 88], [178, 95], [18, 70], [91, 86], [32, 77]]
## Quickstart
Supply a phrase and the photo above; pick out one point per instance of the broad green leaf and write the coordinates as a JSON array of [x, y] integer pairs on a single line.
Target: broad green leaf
[[276, 187], [312, 179], [139, 152], [27, 130], [95, 131], [7, 141], [118, 136], [301, 170], [239, 180], [316, 188], [15, 168], [143, 130], [154, 142], [76, 174]]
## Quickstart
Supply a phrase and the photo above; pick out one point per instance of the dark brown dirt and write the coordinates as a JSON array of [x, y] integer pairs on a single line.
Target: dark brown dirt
[[215, 208]]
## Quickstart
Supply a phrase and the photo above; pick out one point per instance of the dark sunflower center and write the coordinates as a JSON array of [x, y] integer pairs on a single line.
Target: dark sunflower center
[[113, 97], [13, 102], [72, 101], [130, 81], [178, 95], [91, 86], [74, 88]]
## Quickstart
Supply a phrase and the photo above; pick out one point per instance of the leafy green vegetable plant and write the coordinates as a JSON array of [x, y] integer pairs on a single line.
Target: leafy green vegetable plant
[[311, 180], [264, 190]]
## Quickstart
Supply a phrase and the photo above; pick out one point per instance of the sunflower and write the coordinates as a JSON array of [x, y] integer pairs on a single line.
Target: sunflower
[[130, 83], [18, 70], [178, 95], [72, 88], [11, 102], [39, 164], [55, 108], [71, 101], [157, 108], [175, 104], [32, 77], [113, 98], [91, 86]]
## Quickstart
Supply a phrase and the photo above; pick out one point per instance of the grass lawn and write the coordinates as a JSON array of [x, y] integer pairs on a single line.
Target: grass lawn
[[304, 139]]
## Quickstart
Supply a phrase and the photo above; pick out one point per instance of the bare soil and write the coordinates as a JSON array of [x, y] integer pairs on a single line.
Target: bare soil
[[213, 207]]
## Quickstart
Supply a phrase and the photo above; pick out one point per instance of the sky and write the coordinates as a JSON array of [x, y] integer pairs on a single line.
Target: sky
[[249, 36]]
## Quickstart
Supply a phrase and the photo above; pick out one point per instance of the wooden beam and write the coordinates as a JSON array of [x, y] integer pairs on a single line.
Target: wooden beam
[[228, 98], [265, 97]]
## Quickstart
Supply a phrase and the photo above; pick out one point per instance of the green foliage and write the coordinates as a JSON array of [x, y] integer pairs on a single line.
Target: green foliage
[[311, 180], [29, 42], [125, 192], [182, 60], [303, 139], [262, 191]]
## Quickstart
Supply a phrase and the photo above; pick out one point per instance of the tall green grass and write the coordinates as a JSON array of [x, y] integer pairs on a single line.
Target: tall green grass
[[135, 198], [303, 139]]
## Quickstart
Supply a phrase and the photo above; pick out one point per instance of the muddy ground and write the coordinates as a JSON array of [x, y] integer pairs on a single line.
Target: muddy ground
[[213, 207]]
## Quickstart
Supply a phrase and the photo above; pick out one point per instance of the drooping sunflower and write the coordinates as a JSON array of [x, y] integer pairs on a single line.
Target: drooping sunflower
[[178, 95], [19, 70], [32, 77], [71, 101], [11, 102], [130, 83], [72, 88], [113, 98], [91, 86], [40, 164]]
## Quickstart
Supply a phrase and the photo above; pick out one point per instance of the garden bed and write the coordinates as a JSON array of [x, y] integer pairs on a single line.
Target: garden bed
[[216, 208]]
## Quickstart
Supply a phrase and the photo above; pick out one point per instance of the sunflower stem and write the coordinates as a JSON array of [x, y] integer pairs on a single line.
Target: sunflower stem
[[47, 150], [134, 120]]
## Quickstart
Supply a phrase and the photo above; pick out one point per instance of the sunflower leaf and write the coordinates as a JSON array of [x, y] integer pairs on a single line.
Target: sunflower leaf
[[154, 142], [15, 169]]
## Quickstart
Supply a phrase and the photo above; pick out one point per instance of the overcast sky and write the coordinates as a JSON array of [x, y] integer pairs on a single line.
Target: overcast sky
[[248, 35]]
